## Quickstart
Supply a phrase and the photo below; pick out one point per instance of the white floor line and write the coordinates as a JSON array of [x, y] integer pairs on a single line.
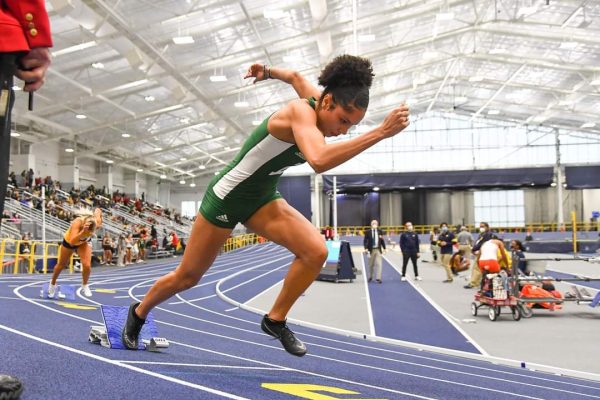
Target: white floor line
[[215, 352], [123, 365], [368, 295], [74, 316], [203, 365], [419, 347], [442, 312], [231, 309]]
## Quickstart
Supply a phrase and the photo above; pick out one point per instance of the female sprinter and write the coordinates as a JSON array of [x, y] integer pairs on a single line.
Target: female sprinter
[[246, 190], [77, 239]]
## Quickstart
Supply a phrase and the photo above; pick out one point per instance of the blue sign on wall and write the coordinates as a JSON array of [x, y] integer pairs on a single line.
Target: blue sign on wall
[[595, 214]]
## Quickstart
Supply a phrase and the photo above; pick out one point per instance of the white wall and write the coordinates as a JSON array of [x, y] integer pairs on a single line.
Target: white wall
[[46, 158], [591, 202]]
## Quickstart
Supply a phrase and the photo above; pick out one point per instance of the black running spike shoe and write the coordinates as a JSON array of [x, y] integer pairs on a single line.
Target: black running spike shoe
[[280, 330], [132, 328]]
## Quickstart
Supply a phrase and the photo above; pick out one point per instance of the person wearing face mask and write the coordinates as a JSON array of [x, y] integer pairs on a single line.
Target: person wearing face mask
[[446, 241], [409, 245], [484, 235], [374, 244]]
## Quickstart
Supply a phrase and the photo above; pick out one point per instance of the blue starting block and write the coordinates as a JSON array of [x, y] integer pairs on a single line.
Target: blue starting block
[[595, 301], [63, 292], [109, 334]]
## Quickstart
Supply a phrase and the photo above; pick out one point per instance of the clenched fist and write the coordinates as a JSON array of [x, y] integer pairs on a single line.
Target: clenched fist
[[396, 121]]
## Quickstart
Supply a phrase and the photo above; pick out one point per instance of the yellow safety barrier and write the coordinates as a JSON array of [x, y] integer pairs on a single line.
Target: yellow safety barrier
[[237, 242], [13, 260]]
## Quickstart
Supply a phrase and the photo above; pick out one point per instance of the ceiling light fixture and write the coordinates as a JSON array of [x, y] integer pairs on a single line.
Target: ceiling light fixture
[[588, 125], [182, 182], [493, 112], [476, 78], [125, 135], [139, 170], [163, 176], [80, 116], [241, 104], [97, 65], [149, 98], [183, 40], [192, 184], [69, 150], [109, 161], [16, 88], [14, 134], [218, 78]]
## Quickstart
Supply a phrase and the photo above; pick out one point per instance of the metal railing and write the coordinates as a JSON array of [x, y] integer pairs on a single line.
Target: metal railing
[[39, 257], [237, 242]]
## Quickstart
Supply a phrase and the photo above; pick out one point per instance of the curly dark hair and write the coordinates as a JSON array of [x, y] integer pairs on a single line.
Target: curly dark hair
[[348, 79]]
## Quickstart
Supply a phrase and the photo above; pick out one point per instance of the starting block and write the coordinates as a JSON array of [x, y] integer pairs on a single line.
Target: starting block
[[63, 292], [109, 334]]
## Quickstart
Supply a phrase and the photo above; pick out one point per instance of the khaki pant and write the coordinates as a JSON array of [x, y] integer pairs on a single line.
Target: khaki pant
[[375, 260], [466, 249], [446, 263], [475, 275]]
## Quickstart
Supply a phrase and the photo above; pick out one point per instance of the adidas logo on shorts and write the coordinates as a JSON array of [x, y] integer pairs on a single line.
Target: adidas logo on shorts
[[222, 218]]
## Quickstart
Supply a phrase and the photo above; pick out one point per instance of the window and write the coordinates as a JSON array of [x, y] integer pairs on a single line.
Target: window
[[500, 208], [188, 209]]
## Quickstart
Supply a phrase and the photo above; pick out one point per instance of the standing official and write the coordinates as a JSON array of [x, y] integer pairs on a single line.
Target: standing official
[[374, 244], [409, 245]]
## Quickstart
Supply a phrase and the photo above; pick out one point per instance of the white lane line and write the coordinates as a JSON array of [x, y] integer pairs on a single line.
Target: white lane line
[[420, 347], [566, 383], [123, 365], [215, 352], [208, 283], [204, 365], [231, 309], [367, 295], [442, 312]]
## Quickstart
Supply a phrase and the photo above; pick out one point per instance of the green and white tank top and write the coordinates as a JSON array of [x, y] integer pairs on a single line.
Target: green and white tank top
[[255, 170]]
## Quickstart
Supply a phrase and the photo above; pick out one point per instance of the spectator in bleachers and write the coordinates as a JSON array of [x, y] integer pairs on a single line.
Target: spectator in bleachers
[[153, 233], [128, 247], [121, 250], [12, 179], [25, 244], [107, 246]]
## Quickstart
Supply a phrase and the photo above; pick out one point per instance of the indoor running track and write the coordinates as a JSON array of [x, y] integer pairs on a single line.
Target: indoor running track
[[218, 351]]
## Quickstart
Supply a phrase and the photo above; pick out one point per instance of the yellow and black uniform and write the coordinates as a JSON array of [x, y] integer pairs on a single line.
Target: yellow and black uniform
[[86, 236]]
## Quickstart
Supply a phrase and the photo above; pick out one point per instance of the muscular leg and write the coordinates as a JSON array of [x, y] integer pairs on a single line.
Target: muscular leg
[[203, 247], [282, 224], [85, 254], [64, 255]]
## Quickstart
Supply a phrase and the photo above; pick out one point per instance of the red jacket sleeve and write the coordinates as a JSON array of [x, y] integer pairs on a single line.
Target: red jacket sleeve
[[31, 15]]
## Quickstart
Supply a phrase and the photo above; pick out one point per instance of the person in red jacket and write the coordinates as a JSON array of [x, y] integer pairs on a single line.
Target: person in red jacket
[[24, 42]]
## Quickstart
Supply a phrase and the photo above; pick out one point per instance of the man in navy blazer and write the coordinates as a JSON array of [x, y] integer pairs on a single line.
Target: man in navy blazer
[[374, 244]]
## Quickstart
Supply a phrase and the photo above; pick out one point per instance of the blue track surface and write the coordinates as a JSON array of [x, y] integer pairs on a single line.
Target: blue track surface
[[401, 312], [219, 352]]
